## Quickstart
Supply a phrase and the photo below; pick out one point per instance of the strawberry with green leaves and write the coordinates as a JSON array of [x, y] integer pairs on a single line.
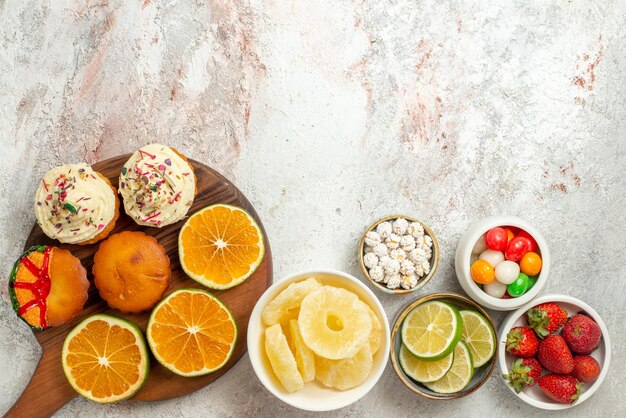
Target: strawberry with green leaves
[[546, 318], [523, 373], [560, 388], [521, 342]]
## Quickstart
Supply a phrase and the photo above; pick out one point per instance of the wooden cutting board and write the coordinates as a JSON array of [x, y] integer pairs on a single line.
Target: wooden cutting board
[[48, 390]]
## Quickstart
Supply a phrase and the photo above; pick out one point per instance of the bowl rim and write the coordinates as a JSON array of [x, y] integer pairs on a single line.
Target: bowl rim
[[396, 329], [464, 253], [507, 324], [377, 369], [434, 259]]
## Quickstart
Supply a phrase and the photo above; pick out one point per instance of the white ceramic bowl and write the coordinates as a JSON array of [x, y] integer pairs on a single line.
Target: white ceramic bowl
[[533, 395], [314, 396], [464, 254]]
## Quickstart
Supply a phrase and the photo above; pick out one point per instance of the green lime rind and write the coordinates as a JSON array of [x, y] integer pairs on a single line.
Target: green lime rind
[[14, 302], [206, 283], [141, 343], [152, 344], [451, 345], [461, 352], [409, 363], [482, 361]]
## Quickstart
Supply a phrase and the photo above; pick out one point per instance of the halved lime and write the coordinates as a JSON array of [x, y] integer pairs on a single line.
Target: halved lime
[[479, 337], [423, 371], [459, 375], [432, 330]]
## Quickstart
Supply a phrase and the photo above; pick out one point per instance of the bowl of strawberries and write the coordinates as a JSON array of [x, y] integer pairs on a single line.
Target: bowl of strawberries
[[555, 352]]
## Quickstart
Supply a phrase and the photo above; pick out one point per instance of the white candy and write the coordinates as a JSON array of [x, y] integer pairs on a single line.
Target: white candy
[[392, 267], [408, 281], [507, 272], [384, 229], [492, 257], [480, 245], [428, 240], [418, 255], [415, 229], [426, 266], [377, 274], [419, 270], [370, 260], [372, 238], [398, 254], [380, 250], [393, 241], [407, 240], [407, 267], [400, 225], [495, 289], [393, 281]]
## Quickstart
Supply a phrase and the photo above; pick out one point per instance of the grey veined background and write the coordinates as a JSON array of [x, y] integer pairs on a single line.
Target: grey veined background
[[329, 115]]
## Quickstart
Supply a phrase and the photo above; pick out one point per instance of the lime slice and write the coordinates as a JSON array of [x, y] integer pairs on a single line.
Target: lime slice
[[424, 371], [459, 374], [479, 337], [431, 330]]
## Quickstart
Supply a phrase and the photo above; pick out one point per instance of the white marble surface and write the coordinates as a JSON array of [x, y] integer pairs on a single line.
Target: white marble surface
[[328, 115]]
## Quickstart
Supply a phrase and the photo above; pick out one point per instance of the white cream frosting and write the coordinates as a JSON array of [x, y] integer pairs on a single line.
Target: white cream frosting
[[157, 186], [73, 203]]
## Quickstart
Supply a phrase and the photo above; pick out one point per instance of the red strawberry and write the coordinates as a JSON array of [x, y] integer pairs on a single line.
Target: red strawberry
[[560, 388], [586, 369], [582, 334], [523, 372], [554, 355], [521, 342], [546, 318]]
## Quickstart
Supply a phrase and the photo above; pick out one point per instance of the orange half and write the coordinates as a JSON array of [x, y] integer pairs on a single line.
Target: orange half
[[105, 359], [191, 332], [220, 246]]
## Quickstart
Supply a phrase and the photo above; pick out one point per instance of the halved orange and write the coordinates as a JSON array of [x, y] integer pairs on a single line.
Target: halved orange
[[220, 246], [105, 359], [191, 332]]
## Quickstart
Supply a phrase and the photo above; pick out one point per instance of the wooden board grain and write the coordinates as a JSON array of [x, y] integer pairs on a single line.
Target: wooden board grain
[[49, 390]]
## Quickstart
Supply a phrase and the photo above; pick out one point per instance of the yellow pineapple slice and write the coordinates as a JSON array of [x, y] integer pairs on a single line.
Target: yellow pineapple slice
[[334, 323], [286, 305], [376, 334], [305, 359], [282, 360], [345, 373]]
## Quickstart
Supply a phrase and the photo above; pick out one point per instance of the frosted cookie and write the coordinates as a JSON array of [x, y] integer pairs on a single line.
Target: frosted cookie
[[157, 185], [76, 205]]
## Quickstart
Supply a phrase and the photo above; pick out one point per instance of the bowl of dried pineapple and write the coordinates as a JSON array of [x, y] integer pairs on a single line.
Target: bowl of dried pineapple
[[318, 340]]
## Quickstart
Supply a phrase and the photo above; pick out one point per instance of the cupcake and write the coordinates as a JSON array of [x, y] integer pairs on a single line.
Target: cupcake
[[157, 185], [48, 286], [131, 271], [76, 205]]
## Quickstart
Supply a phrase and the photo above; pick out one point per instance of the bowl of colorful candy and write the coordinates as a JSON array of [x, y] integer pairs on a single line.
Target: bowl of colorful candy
[[502, 262], [554, 352]]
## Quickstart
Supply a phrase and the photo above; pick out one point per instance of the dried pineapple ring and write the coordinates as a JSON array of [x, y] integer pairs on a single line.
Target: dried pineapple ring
[[345, 373], [376, 333], [285, 306], [334, 322], [282, 360]]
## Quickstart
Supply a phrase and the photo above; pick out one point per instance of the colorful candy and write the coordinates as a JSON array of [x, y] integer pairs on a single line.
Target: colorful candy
[[482, 272], [492, 257], [505, 262], [533, 243], [530, 264], [495, 289], [516, 249], [496, 239], [519, 286], [507, 272]]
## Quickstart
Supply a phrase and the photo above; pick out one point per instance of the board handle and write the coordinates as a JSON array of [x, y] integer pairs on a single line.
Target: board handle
[[43, 395]]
